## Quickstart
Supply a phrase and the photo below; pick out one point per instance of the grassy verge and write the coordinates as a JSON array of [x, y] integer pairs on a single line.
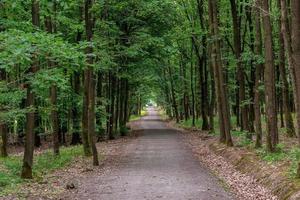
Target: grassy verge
[[285, 153], [44, 163], [282, 154], [137, 117]]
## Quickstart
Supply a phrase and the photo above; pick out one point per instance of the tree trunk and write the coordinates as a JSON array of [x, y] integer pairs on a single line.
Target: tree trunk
[[90, 86], [289, 124], [99, 116], [258, 74], [173, 94], [112, 107], [295, 24], [212, 102], [126, 102], [75, 111], [30, 115], [185, 93], [270, 96], [251, 83], [53, 98], [240, 72], [3, 140], [192, 86], [91, 116], [85, 120], [75, 80], [117, 110], [295, 16], [54, 119], [29, 136], [223, 106]]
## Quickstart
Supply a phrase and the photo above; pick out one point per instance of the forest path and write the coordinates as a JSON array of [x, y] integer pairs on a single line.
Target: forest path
[[157, 165]]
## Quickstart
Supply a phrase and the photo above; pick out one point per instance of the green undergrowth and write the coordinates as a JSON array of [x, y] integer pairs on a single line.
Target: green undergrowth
[[189, 123], [282, 154], [44, 163], [137, 117]]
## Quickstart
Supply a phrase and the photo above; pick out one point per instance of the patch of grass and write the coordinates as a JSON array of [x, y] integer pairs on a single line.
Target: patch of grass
[[134, 117], [272, 157], [44, 163], [189, 123], [9, 172], [292, 156], [137, 117], [243, 140], [47, 162]]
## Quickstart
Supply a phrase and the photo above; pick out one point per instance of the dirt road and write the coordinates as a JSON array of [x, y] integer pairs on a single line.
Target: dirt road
[[157, 165]]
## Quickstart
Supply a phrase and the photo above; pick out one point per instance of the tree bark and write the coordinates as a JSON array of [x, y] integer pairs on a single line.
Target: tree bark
[[295, 59], [223, 106], [173, 94], [54, 119], [3, 140], [90, 87], [111, 121], [76, 85], [240, 72], [269, 73], [53, 98], [85, 120], [192, 86], [29, 136], [289, 124], [30, 104], [295, 24], [75, 111], [258, 75], [91, 116]]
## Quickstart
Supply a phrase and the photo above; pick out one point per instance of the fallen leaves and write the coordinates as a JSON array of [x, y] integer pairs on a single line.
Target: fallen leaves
[[243, 186]]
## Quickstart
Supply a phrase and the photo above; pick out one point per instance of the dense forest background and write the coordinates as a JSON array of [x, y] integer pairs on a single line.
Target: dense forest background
[[73, 71]]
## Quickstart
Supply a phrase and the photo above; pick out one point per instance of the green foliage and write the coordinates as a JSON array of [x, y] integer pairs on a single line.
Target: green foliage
[[137, 117], [271, 157], [189, 123], [291, 156], [294, 157], [124, 130]]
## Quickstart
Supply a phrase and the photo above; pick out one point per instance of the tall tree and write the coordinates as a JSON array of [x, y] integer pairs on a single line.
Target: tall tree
[[222, 100], [240, 71], [90, 83], [289, 124], [53, 92], [269, 73], [258, 75], [3, 140], [30, 104]]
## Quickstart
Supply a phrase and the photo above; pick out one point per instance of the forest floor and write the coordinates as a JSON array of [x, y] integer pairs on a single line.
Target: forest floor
[[244, 186], [249, 172], [158, 161], [52, 184]]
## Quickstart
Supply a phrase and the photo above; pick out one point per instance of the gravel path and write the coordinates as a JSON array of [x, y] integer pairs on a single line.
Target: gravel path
[[157, 165]]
